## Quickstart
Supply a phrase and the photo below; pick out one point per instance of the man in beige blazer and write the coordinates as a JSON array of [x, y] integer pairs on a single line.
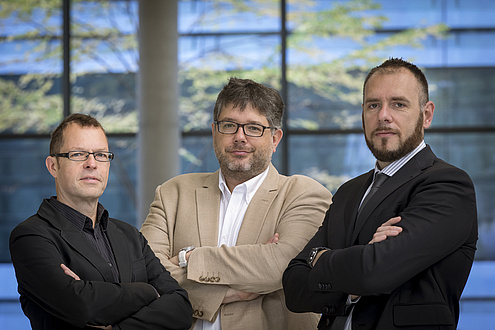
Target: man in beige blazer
[[227, 236]]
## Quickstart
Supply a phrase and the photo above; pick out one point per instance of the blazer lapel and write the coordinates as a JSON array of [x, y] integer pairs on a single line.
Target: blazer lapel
[[74, 238], [411, 169], [118, 243], [258, 208], [208, 206]]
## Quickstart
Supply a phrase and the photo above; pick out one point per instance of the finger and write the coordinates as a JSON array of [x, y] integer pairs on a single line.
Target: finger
[[69, 272], [388, 228], [392, 221], [273, 239]]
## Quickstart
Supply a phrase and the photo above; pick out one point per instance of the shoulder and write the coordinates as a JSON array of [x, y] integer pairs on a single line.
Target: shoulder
[[189, 180], [301, 184]]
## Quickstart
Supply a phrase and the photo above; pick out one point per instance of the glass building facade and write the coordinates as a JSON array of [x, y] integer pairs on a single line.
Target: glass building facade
[[316, 52]]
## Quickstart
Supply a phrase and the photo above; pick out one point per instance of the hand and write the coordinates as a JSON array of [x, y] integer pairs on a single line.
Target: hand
[[273, 239], [174, 260], [235, 295], [69, 272], [387, 229]]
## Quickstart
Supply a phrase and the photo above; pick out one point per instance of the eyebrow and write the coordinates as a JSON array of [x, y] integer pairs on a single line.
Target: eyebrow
[[235, 121], [395, 98]]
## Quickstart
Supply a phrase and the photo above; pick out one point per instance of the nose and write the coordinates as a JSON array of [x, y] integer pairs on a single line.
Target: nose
[[384, 115], [239, 136], [91, 161]]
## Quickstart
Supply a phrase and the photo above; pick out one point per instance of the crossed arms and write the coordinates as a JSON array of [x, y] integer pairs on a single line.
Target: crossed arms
[[37, 258]]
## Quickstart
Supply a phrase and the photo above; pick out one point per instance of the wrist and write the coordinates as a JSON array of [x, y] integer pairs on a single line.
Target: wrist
[[315, 254], [183, 255]]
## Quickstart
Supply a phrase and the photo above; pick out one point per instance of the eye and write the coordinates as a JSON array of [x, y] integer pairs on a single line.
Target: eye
[[372, 105], [228, 125], [101, 155], [254, 128], [399, 105], [77, 154]]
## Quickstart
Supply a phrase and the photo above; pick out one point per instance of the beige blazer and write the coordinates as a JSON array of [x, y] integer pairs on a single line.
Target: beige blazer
[[185, 212]]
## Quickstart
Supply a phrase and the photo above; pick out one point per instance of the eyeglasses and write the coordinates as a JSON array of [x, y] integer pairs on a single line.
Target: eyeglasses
[[80, 156], [230, 127]]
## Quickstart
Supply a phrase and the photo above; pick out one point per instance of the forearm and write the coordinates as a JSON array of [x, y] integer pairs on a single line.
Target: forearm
[[300, 298], [170, 311]]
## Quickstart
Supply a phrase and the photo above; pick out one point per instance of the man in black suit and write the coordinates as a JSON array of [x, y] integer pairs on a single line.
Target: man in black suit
[[400, 258], [78, 268]]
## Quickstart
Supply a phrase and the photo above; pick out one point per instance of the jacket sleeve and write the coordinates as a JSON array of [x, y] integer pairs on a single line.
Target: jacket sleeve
[[172, 310], [159, 231], [258, 267], [37, 259], [299, 297]]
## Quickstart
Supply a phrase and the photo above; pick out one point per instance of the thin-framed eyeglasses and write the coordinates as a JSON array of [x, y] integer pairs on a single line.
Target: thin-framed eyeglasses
[[80, 156], [230, 127]]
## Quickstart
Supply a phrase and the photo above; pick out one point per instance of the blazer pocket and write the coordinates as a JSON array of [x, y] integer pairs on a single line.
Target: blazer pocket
[[139, 273], [424, 314]]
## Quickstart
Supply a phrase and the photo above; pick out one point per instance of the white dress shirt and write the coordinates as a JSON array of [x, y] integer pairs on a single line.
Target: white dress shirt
[[233, 207]]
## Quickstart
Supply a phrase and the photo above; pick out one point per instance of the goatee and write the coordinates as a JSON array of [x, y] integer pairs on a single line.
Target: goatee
[[388, 156]]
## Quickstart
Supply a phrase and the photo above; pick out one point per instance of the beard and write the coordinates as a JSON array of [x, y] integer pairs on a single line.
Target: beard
[[382, 154], [243, 168]]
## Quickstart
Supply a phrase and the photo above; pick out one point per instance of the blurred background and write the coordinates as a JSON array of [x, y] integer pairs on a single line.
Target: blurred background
[[63, 56]]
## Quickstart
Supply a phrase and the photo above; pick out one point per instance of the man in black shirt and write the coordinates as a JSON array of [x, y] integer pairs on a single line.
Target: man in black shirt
[[75, 266]]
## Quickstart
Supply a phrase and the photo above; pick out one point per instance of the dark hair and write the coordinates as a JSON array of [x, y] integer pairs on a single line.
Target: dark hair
[[241, 92], [57, 136], [392, 65]]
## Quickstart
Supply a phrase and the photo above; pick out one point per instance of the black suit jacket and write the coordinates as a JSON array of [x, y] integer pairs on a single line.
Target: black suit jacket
[[411, 281], [53, 300]]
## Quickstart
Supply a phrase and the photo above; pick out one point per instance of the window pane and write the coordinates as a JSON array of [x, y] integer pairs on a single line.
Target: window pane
[[30, 68], [25, 182], [104, 62], [219, 40]]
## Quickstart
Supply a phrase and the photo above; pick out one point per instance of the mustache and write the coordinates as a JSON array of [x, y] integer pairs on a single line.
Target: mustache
[[239, 147], [382, 129]]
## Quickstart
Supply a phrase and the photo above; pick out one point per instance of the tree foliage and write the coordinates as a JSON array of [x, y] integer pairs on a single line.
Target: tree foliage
[[104, 42]]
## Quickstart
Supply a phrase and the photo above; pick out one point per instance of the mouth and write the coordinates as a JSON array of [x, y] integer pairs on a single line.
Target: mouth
[[384, 132], [239, 152], [90, 179]]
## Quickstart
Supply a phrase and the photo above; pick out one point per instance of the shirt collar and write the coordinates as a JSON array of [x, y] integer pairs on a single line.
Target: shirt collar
[[80, 220], [248, 188], [395, 166]]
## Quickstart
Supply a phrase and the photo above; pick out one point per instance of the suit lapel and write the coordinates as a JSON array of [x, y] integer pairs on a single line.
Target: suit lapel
[[118, 243], [208, 206], [411, 169], [75, 239], [258, 208]]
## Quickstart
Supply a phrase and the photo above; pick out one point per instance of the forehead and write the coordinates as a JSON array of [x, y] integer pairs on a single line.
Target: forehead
[[87, 137], [398, 83], [248, 114]]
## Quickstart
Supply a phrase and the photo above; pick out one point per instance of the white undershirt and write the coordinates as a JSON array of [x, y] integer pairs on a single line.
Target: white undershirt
[[233, 207]]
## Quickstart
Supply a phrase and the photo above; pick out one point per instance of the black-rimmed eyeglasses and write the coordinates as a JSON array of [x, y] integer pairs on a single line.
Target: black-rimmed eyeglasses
[[230, 127], [80, 156]]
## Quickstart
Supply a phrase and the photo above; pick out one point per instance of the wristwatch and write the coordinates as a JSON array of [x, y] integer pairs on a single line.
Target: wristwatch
[[182, 255], [313, 253]]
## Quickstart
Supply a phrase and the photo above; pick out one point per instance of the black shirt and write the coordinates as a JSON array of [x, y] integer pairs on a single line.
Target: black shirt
[[96, 236]]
